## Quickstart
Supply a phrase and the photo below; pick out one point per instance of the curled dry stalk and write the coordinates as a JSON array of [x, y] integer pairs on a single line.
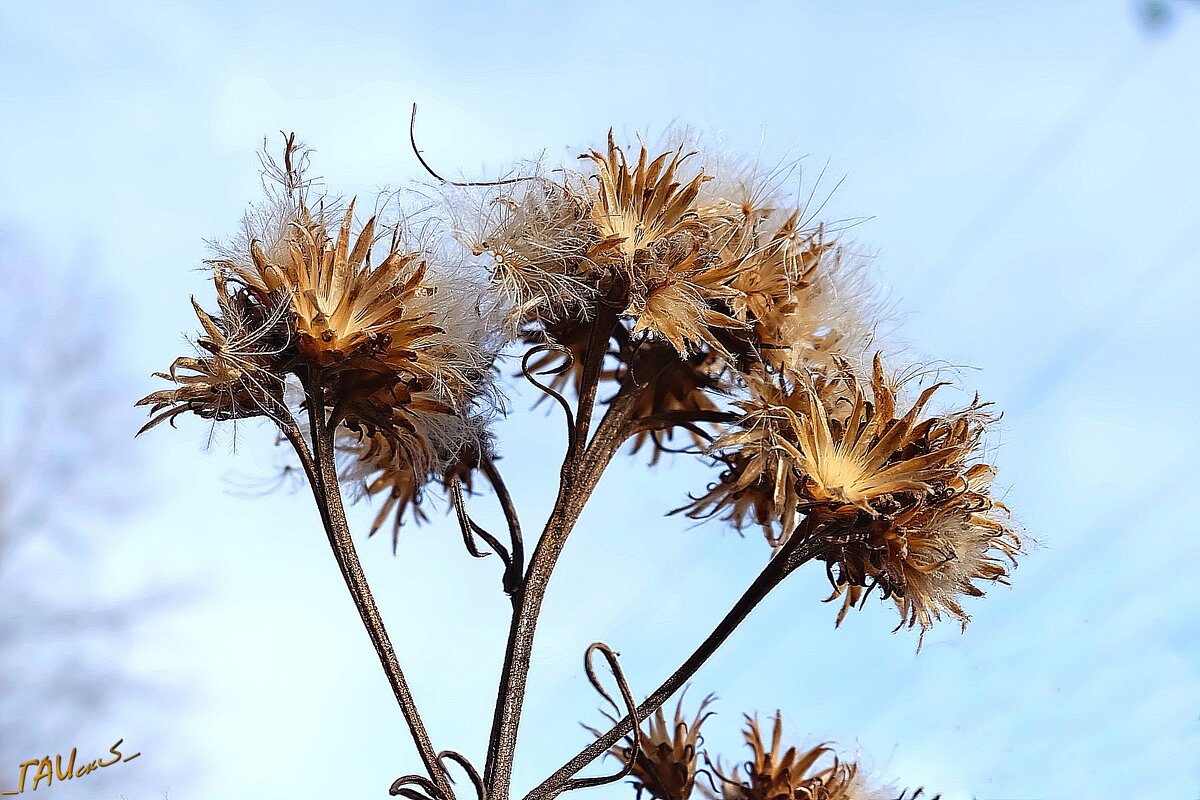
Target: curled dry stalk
[[630, 708]]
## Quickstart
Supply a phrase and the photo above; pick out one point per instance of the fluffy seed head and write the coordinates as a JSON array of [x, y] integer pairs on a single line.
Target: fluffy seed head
[[402, 339], [901, 498]]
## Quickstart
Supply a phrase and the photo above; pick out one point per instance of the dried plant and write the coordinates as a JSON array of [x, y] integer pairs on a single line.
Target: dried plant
[[667, 293], [664, 759], [815, 774]]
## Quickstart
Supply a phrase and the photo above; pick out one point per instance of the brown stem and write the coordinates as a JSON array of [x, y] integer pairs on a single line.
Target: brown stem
[[593, 366], [291, 432], [778, 568], [328, 495], [670, 419], [511, 582], [581, 470]]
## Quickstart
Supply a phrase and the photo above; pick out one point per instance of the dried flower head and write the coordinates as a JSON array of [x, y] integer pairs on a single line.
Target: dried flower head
[[235, 373], [874, 460], [655, 242], [401, 340], [393, 342], [665, 767], [347, 313], [637, 208], [701, 261], [802, 296], [904, 500], [901, 499], [776, 774]]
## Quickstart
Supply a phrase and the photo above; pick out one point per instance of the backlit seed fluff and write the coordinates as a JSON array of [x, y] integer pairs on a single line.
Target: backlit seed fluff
[[533, 236], [803, 294], [403, 339]]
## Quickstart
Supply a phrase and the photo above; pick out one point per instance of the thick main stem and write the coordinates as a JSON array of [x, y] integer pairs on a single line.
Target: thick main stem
[[776, 570], [581, 471], [329, 498]]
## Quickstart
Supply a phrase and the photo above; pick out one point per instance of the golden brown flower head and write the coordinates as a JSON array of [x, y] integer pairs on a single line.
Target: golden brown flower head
[[776, 774], [644, 206], [710, 268], [665, 767], [629, 235], [400, 339], [679, 298], [904, 501], [659, 247], [236, 372], [901, 499], [348, 314], [875, 458]]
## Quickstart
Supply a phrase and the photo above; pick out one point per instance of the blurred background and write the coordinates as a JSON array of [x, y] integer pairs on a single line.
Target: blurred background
[[1032, 182]]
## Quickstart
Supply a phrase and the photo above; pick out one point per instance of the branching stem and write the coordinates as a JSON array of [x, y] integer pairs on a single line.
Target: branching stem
[[581, 471], [583, 465], [799, 550]]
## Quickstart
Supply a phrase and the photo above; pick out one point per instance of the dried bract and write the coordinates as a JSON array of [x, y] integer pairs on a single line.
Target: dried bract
[[394, 478], [776, 774], [665, 767], [902, 499], [397, 338], [236, 372]]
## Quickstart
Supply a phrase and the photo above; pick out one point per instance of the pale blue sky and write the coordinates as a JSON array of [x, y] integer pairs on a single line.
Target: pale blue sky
[[1031, 174]]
